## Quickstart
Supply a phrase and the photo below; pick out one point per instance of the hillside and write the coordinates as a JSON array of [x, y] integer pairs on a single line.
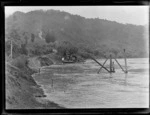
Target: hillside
[[97, 34]]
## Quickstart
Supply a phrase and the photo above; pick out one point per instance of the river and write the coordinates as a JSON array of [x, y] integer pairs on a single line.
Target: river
[[88, 89]]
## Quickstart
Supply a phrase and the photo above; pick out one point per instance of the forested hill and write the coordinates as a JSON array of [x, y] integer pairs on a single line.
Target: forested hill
[[99, 35]]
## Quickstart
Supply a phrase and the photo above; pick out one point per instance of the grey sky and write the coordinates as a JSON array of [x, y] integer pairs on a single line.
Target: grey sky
[[124, 14]]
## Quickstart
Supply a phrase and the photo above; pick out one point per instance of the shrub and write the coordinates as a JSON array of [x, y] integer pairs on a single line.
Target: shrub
[[50, 38], [32, 37], [66, 47], [83, 54], [45, 61], [20, 62]]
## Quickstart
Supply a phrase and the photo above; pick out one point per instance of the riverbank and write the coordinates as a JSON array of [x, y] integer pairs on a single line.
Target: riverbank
[[22, 92]]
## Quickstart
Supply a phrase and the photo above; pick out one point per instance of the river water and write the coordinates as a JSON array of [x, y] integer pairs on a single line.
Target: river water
[[88, 89]]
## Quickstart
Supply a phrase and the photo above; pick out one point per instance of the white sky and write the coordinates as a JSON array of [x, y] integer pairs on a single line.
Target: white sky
[[138, 15]]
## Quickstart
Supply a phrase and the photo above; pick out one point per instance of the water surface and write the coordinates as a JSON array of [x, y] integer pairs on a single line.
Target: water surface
[[88, 89]]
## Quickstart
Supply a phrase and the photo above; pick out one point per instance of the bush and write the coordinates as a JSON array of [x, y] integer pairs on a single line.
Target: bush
[[45, 61], [38, 50], [66, 47], [20, 62], [83, 54], [50, 38]]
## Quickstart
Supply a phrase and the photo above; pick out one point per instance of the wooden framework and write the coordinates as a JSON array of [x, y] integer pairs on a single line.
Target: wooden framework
[[111, 67]]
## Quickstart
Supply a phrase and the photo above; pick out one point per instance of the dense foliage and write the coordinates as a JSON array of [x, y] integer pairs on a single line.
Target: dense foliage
[[73, 34], [50, 38]]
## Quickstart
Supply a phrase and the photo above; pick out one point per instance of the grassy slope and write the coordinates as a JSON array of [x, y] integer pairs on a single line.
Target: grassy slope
[[22, 92]]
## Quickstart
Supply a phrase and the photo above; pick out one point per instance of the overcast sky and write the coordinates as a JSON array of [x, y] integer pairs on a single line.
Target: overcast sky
[[124, 14]]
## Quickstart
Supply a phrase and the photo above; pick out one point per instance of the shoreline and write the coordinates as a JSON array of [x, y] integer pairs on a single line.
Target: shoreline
[[41, 95], [22, 91]]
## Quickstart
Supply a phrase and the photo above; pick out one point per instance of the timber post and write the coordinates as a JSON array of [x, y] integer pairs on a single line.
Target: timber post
[[103, 65], [113, 67], [110, 63], [119, 65], [99, 63], [126, 70]]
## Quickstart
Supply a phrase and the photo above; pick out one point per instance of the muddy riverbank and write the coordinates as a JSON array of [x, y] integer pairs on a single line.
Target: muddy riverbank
[[22, 92]]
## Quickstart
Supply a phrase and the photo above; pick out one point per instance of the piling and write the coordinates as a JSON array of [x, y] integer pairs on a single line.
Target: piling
[[110, 63], [126, 70], [113, 67]]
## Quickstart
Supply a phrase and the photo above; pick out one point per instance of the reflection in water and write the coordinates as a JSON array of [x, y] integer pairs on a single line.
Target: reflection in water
[[114, 79], [125, 80], [111, 75], [111, 78]]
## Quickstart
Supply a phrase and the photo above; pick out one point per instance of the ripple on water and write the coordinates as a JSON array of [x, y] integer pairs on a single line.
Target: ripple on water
[[89, 89]]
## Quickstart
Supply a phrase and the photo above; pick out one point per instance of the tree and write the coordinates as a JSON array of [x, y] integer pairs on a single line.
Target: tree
[[32, 37], [66, 47], [14, 38], [50, 37], [24, 48]]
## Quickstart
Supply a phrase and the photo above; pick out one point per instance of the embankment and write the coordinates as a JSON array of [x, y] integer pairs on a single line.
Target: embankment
[[22, 92]]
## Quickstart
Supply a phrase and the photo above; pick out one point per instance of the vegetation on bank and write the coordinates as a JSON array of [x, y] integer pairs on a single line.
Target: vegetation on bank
[[22, 92], [14, 47]]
